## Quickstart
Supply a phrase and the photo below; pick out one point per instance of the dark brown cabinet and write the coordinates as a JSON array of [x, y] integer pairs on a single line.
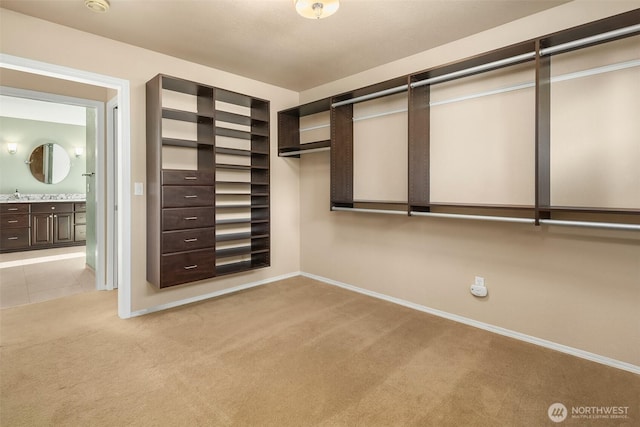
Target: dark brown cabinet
[[208, 181], [51, 223], [15, 230], [26, 226]]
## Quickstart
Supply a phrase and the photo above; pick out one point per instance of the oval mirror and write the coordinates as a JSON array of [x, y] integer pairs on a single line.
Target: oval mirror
[[49, 163]]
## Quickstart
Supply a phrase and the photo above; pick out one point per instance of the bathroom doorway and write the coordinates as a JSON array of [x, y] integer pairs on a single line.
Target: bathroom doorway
[[121, 235], [58, 162]]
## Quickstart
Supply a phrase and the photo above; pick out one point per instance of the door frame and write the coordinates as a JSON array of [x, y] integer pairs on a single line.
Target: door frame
[[123, 160], [99, 147]]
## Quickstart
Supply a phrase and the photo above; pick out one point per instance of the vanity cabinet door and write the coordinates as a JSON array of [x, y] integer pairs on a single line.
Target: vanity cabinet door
[[41, 229], [63, 227]]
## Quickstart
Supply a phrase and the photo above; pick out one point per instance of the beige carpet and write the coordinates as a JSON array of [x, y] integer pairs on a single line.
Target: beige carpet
[[292, 353]]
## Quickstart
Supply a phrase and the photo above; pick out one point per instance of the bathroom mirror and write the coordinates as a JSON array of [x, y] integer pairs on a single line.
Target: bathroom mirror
[[49, 163]]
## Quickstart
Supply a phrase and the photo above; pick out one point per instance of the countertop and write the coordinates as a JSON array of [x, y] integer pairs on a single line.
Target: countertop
[[43, 198]]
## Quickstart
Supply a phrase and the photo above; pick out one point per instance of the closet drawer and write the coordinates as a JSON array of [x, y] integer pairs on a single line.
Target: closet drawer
[[14, 238], [181, 177], [14, 208], [188, 240], [14, 220], [187, 267], [185, 218], [177, 196], [51, 207]]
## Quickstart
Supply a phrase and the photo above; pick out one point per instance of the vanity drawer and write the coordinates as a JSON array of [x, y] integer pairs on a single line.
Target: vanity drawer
[[182, 177], [80, 218], [51, 207], [187, 267], [14, 220], [177, 196], [14, 208], [14, 238], [80, 207], [188, 240], [184, 218], [80, 233]]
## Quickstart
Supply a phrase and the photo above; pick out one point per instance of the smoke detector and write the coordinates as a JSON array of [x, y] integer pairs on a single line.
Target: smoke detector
[[100, 6]]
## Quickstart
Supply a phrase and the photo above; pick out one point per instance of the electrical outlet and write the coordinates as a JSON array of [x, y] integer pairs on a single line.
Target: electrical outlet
[[479, 281]]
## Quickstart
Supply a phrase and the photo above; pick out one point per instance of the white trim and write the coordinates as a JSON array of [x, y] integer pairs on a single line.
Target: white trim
[[111, 254], [485, 326], [124, 155], [191, 300]]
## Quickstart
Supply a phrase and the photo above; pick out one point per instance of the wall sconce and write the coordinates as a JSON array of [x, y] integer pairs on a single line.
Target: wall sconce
[[12, 147], [79, 151]]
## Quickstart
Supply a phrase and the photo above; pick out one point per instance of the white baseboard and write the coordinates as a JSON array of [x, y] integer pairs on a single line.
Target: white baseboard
[[486, 326], [185, 301]]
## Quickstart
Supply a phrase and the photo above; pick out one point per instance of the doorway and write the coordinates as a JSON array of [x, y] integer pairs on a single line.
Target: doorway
[[121, 162]]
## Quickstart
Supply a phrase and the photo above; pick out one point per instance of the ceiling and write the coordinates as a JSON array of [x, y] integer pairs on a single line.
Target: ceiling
[[266, 40]]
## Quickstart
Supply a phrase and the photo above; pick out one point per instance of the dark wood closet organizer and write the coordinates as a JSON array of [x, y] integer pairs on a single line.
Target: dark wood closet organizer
[[211, 218], [418, 85]]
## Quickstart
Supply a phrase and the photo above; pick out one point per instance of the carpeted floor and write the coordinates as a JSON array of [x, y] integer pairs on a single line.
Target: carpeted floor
[[291, 353]]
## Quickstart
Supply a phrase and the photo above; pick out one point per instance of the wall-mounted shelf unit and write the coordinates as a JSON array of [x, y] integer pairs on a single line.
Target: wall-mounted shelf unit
[[289, 144], [208, 182], [544, 185]]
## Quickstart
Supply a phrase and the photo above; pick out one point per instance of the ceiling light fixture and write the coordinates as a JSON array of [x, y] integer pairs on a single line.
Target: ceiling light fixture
[[100, 6], [316, 9]]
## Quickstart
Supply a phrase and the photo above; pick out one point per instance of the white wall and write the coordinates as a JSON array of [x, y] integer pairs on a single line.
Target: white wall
[[39, 40], [575, 287]]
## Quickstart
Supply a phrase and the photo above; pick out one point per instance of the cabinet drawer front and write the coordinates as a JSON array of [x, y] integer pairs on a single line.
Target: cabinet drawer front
[[187, 267], [178, 196], [178, 177], [178, 241], [14, 208], [80, 207], [80, 218], [180, 219], [51, 207], [14, 221], [14, 238], [80, 233]]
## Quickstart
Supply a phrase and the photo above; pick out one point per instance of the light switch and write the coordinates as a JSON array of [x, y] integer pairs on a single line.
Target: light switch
[[138, 189]]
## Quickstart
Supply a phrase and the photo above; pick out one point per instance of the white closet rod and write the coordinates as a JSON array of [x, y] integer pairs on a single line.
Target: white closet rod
[[386, 113], [295, 153], [476, 69], [559, 78], [374, 95], [379, 211], [597, 70], [314, 127], [607, 225], [476, 217], [588, 40]]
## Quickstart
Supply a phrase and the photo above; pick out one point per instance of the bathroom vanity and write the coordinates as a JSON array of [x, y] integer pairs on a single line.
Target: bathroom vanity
[[40, 224]]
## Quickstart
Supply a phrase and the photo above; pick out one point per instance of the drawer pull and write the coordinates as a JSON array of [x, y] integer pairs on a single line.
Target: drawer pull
[[12, 221], [191, 267], [53, 207], [12, 209], [190, 240], [191, 178], [191, 197], [12, 238], [191, 218]]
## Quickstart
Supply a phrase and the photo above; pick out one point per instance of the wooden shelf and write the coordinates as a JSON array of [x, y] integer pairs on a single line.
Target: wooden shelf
[[188, 253], [538, 52]]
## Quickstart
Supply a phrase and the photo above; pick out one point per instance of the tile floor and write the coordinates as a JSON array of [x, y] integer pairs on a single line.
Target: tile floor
[[35, 276]]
